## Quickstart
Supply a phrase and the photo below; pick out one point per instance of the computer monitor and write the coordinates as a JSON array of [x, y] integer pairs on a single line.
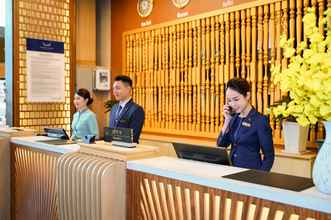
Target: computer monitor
[[57, 133], [206, 154]]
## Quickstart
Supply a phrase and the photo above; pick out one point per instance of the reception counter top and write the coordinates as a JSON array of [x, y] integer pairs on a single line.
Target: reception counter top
[[286, 163], [106, 149], [279, 149], [210, 175], [32, 141]]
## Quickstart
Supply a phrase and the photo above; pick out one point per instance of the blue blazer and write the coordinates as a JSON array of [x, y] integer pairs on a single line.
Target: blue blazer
[[132, 116], [248, 137]]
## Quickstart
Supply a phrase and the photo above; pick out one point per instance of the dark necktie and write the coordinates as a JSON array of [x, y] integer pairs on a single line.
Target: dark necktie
[[118, 112]]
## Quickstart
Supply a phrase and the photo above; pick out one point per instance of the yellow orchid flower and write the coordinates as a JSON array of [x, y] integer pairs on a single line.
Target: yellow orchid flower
[[307, 78]]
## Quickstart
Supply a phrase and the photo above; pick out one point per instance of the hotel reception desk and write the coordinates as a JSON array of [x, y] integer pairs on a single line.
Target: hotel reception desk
[[34, 177], [171, 188], [70, 182], [5, 135], [286, 163], [99, 181]]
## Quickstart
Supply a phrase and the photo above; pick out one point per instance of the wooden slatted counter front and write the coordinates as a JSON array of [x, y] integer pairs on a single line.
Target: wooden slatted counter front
[[73, 181], [170, 188]]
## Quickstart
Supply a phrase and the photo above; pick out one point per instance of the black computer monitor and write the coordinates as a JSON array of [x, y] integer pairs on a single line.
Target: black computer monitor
[[57, 133], [206, 154]]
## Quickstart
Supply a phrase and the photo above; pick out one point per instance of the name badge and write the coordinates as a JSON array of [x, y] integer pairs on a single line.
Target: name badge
[[246, 124]]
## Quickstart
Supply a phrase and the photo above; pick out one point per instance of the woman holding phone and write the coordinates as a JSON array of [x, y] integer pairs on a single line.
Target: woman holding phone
[[247, 130]]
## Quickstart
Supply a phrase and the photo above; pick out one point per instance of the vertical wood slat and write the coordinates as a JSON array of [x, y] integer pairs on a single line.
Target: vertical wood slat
[[222, 66], [164, 201], [227, 209], [150, 198], [212, 75], [265, 49], [144, 199], [216, 207], [237, 45], [195, 72], [277, 134], [157, 200], [272, 88], [253, 62], [203, 76], [179, 204], [206, 208], [197, 211], [190, 75], [188, 204], [217, 75], [260, 62], [171, 202], [243, 43]]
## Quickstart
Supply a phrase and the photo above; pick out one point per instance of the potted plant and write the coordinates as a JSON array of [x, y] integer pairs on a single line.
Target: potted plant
[[109, 104], [307, 80], [295, 135]]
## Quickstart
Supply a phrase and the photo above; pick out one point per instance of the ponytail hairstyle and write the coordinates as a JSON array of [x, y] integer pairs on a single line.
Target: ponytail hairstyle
[[84, 93]]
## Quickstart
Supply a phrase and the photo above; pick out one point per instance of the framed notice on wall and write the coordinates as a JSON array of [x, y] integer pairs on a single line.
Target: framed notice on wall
[[45, 71]]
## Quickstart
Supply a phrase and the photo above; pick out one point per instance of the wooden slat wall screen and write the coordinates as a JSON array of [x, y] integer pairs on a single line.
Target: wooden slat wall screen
[[180, 68], [48, 20]]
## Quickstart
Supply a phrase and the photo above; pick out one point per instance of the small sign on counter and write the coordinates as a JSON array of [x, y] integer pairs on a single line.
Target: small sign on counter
[[122, 137]]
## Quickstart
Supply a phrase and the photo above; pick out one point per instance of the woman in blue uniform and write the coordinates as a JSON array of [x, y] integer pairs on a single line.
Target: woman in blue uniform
[[247, 130], [84, 120]]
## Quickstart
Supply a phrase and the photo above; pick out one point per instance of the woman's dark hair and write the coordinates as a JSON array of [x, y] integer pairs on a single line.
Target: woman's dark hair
[[239, 85], [125, 79], [85, 94]]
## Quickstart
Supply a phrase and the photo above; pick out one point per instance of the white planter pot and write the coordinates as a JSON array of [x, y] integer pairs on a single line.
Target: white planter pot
[[322, 165], [295, 137]]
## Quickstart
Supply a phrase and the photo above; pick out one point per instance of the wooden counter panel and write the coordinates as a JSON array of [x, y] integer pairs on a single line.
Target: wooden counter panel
[[155, 197], [33, 184]]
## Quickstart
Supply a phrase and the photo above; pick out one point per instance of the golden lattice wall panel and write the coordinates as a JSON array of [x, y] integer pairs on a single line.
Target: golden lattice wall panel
[[46, 20], [180, 69]]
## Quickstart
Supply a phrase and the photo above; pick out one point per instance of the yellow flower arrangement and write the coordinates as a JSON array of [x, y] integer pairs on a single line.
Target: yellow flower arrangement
[[307, 79]]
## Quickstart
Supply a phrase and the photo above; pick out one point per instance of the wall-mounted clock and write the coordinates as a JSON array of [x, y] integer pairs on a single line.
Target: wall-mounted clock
[[144, 7]]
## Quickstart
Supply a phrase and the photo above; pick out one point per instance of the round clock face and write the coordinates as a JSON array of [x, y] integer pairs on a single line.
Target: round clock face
[[144, 7], [180, 3]]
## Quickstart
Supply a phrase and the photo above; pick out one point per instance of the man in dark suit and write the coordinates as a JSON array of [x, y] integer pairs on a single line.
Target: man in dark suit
[[126, 113]]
